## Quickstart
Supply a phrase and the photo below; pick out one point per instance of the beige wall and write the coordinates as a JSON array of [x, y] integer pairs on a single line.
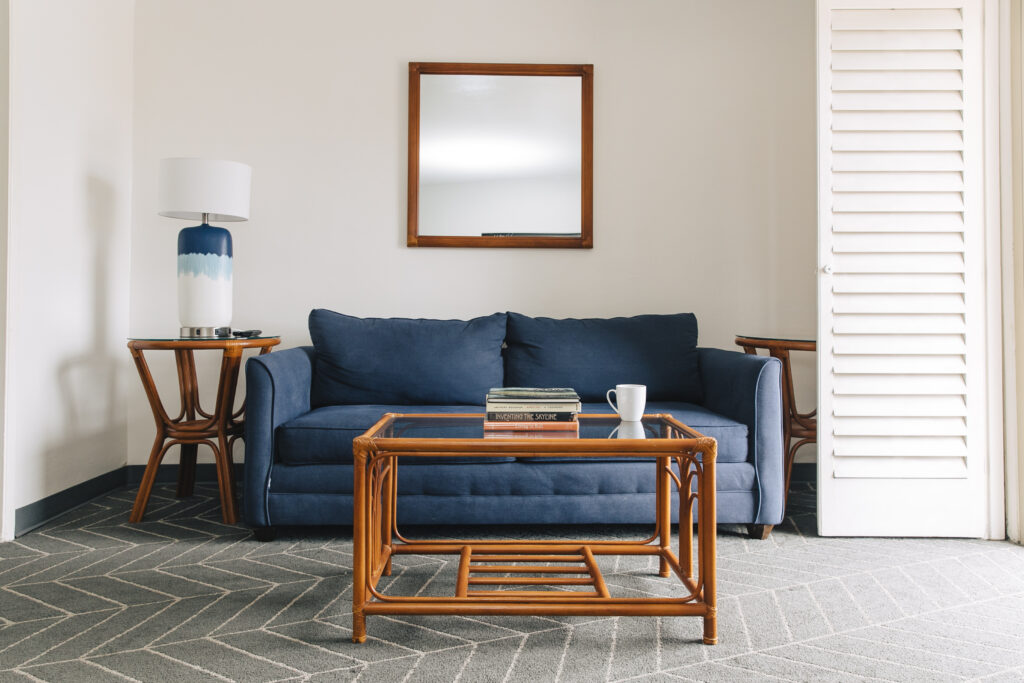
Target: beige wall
[[68, 244], [704, 189]]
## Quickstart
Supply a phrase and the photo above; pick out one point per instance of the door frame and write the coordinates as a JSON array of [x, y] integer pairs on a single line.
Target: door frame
[[1003, 288], [1001, 380], [1012, 145]]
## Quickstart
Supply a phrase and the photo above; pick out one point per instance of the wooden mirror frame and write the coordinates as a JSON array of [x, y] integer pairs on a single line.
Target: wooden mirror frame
[[585, 72]]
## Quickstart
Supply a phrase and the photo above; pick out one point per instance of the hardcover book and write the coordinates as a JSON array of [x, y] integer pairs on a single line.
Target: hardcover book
[[538, 407], [532, 394], [532, 426], [530, 416], [511, 434]]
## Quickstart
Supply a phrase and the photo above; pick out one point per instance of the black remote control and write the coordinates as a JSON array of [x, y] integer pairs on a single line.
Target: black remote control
[[246, 333]]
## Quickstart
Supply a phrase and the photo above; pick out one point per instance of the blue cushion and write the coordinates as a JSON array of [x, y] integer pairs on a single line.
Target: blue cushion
[[549, 479], [734, 507], [592, 355], [599, 477], [324, 435], [504, 493], [403, 361]]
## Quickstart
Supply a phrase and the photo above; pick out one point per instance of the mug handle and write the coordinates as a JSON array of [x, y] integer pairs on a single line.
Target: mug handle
[[608, 397]]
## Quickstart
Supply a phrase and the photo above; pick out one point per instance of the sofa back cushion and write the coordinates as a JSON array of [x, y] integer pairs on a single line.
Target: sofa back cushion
[[404, 361], [592, 355]]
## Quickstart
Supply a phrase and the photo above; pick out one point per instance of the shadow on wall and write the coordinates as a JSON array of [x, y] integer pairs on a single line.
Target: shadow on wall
[[91, 383]]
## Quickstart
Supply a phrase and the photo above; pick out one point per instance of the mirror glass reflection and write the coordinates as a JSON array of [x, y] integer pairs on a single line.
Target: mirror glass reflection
[[500, 155]]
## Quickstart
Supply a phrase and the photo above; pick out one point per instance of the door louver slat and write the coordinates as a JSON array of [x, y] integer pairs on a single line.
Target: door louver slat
[[932, 60], [896, 19], [897, 242], [898, 324]]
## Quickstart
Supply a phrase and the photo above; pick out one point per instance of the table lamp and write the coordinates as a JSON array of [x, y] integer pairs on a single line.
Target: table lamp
[[204, 190]]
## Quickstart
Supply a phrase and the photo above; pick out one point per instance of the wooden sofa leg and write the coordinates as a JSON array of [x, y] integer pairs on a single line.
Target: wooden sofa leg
[[760, 531], [264, 534]]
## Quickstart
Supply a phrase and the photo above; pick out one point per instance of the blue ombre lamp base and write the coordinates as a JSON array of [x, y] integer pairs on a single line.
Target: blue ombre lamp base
[[204, 281]]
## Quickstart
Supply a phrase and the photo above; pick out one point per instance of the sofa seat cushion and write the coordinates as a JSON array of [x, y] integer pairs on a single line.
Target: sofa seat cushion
[[404, 361], [503, 479], [550, 478], [325, 435], [592, 355]]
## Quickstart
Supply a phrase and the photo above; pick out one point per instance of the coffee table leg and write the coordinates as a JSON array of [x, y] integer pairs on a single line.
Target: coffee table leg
[[663, 501], [707, 521], [389, 492], [359, 563], [685, 518]]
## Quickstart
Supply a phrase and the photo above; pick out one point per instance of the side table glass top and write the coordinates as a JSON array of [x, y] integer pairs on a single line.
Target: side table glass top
[[783, 338], [442, 426], [203, 339]]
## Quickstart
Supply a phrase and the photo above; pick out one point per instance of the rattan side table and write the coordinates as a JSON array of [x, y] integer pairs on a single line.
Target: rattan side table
[[193, 426]]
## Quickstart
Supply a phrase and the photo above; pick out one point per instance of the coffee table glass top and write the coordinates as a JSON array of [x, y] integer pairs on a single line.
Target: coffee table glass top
[[442, 426]]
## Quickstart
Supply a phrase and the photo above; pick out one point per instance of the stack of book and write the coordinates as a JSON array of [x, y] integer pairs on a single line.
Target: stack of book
[[524, 412]]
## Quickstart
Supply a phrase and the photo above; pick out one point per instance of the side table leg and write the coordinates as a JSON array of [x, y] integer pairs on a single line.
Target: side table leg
[[187, 470], [148, 478], [226, 385], [226, 482]]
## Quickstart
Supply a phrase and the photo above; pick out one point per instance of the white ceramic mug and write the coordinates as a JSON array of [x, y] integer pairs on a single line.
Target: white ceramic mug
[[631, 399]]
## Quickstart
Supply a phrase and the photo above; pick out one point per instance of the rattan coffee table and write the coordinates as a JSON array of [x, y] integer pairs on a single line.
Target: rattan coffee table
[[552, 577]]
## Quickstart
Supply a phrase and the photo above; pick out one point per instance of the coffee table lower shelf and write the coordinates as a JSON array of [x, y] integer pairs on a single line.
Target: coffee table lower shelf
[[492, 580]]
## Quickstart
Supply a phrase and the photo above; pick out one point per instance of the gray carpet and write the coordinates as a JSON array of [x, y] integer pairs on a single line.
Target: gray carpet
[[183, 597]]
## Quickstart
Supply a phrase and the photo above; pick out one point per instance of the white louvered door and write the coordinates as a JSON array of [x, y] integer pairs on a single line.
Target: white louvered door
[[902, 426]]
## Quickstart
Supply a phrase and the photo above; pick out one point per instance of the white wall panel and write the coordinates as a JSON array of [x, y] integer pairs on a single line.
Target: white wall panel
[[69, 244]]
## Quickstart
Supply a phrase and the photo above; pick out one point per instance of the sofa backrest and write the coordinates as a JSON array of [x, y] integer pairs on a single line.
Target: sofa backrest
[[592, 355], [404, 361]]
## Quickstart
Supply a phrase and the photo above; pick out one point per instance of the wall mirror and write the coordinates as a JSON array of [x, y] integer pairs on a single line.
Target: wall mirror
[[500, 155]]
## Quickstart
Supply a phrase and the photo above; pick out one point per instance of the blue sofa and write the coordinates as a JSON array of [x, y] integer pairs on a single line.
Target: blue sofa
[[305, 406]]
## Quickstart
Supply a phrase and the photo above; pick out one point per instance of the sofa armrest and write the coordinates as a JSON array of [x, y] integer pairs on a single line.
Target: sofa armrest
[[277, 390], [748, 389]]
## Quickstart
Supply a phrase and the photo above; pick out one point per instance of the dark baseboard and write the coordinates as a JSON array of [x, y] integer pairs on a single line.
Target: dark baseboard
[[168, 474], [804, 471], [42, 511]]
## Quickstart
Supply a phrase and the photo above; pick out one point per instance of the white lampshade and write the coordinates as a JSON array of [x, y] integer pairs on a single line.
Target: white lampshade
[[189, 188]]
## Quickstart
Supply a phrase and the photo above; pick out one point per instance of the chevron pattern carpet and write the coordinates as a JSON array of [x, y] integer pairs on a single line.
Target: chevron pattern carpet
[[183, 597]]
